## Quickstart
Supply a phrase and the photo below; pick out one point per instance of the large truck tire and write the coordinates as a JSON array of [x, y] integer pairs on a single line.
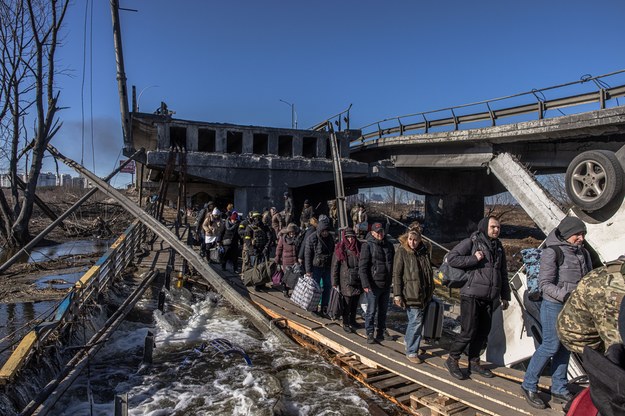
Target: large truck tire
[[593, 179]]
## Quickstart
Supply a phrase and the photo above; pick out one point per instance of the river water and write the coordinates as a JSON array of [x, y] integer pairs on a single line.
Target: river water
[[282, 380]]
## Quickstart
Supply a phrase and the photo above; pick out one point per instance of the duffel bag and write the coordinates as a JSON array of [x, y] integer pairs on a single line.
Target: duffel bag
[[260, 274], [307, 294]]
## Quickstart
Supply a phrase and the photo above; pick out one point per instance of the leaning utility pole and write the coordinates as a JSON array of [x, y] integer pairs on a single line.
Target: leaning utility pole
[[338, 178], [121, 75]]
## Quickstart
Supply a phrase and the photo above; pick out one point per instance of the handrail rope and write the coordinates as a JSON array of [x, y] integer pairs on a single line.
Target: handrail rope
[[495, 99]]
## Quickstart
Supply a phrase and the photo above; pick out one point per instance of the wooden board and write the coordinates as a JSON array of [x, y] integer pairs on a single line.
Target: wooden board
[[389, 355], [17, 358]]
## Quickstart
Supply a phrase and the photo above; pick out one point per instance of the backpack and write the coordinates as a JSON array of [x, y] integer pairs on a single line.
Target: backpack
[[531, 260], [453, 277], [259, 237]]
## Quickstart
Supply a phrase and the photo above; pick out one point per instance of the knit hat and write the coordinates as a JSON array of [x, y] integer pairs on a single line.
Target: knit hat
[[570, 226], [292, 228], [323, 223], [216, 212], [350, 233]]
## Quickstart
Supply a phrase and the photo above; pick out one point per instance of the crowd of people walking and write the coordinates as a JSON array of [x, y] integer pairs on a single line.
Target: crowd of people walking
[[362, 263]]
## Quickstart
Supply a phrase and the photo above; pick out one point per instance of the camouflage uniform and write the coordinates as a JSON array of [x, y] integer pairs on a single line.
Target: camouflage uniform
[[256, 242], [590, 316]]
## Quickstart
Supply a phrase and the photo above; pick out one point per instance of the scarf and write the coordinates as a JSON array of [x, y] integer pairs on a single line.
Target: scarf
[[343, 245]]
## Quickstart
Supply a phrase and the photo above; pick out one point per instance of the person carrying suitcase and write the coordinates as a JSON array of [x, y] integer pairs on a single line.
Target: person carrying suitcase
[[346, 278], [413, 287]]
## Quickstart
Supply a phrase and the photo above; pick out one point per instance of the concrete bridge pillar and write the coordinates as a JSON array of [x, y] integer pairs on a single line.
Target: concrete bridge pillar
[[256, 198], [452, 217]]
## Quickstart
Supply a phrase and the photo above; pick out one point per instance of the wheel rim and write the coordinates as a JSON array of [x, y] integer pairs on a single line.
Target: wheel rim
[[588, 181]]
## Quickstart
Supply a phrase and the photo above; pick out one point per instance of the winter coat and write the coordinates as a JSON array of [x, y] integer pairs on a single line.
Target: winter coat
[[306, 215], [556, 281], [230, 234], [213, 227], [345, 274], [413, 277], [488, 278], [277, 223], [376, 263], [309, 231], [286, 254], [317, 246]]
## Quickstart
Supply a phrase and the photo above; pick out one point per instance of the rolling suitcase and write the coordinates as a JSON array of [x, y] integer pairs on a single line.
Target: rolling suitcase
[[433, 325]]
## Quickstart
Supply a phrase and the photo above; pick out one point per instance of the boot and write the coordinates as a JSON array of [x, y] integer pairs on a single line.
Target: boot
[[475, 367], [454, 369], [384, 336], [533, 399]]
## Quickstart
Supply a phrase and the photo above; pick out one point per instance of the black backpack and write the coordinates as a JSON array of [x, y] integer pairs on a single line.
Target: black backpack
[[259, 237], [606, 374], [453, 277]]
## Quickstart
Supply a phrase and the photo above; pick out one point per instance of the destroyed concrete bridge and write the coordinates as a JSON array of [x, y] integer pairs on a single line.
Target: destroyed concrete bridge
[[253, 166]]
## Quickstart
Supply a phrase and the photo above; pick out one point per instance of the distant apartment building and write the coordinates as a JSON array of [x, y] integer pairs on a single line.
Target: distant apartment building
[[64, 180], [47, 179], [5, 180]]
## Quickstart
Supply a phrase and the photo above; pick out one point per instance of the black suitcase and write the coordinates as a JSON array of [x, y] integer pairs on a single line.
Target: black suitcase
[[433, 325]]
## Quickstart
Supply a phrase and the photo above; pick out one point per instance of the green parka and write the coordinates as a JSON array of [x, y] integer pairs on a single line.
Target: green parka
[[413, 277]]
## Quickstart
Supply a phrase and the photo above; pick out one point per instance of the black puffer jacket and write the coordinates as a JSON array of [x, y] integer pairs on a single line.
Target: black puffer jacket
[[230, 234], [488, 277], [376, 263], [318, 247]]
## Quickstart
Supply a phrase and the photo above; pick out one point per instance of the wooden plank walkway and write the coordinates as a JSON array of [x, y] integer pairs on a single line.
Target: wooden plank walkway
[[384, 367], [422, 389]]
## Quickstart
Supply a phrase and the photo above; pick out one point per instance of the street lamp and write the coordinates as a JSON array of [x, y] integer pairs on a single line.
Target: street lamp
[[141, 93], [293, 114]]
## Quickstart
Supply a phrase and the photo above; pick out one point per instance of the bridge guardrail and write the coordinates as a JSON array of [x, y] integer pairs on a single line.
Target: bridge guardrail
[[117, 257], [377, 130]]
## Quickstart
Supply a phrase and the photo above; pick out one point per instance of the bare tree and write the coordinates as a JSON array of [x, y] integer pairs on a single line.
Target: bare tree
[[500, 205], [29, 31], [554, 184]]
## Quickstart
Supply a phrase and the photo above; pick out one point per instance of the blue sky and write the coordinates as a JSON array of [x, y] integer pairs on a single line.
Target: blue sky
[[233, 61]]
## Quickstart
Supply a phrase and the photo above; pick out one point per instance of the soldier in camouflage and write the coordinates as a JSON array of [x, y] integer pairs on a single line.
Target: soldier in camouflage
[[590, 317]]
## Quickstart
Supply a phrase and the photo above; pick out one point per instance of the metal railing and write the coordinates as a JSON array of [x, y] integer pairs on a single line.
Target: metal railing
[[118, 256], [540, 105]]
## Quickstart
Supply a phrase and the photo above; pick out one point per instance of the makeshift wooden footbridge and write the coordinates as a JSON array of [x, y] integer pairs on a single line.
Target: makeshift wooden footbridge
[[423, 389]]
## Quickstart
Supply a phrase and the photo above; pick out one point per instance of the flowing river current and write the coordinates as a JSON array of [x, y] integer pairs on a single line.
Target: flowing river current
[[283, 380]]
